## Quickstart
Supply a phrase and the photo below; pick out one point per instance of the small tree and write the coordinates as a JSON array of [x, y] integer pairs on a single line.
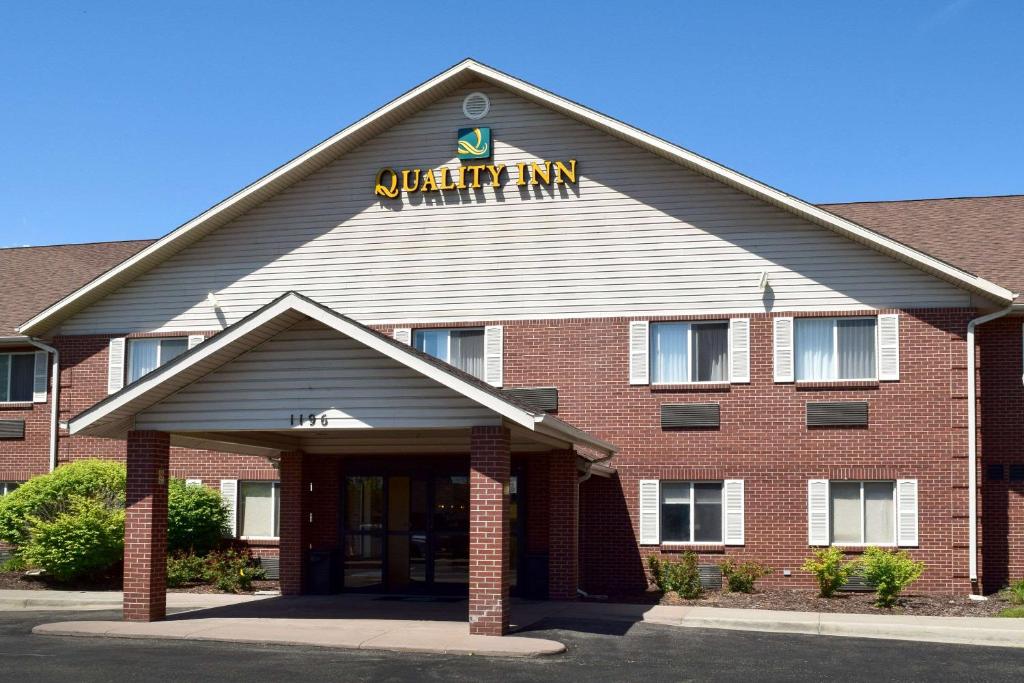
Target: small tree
[[890, 572], [740, 578], [85, 537], [197, 519], [680, 576], [831, 569]]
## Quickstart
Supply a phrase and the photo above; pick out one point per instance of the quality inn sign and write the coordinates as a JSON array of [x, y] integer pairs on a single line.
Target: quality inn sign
[[472, 144]]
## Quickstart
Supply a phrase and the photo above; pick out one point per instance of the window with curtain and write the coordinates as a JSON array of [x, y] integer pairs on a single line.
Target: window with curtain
[[146, 355], [834, 348], [691, 512], [863, 512], [16, 375], [689, 352], [259, 507], [8, 487], [463, 348]]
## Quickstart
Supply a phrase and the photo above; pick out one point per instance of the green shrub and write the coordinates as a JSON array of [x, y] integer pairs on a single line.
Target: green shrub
[[831, 569], [740, 578], [890, 572], [679, 576], [184, 569], [85, 537], [1012, 613], [232, 571], [1015, 592], [196, 518], [15, 563], [46, 497]]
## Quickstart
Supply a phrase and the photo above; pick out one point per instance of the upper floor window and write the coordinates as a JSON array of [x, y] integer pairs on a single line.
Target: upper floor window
[[689, 352], [863, 512], [835, 349], [463, 347], [17, 372], [146, 355]]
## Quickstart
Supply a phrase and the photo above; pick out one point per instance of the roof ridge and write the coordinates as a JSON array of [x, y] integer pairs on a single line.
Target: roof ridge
[[924, 199], [76, 244]]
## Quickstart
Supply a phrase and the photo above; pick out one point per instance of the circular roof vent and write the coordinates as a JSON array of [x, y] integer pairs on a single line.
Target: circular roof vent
[[476, 105]]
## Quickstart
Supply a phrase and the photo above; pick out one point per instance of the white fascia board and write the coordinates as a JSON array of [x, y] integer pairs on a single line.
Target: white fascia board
[[40, 322], [548, 424], [293, 302]]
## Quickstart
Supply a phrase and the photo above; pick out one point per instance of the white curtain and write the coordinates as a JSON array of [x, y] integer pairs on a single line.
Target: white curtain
[[879, 522], [467, 351], [668, 353], [814, 353], [256, 509], [143, 357], [845, 511], [856, 348]]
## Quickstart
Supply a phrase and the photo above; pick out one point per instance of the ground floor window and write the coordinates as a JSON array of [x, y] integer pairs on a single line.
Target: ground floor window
[[259, 509], [691, 512], [863, 512], [8, 486]]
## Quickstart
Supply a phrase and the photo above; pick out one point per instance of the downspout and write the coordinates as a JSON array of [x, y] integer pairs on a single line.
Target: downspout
[[972, 440], [587, 473], [54, 397]]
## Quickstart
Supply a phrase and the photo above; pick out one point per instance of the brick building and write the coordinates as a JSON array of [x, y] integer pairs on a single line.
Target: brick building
[[487, 339]]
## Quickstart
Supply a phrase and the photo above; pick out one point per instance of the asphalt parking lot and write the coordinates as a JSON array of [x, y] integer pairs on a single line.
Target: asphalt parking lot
[[604, 651]]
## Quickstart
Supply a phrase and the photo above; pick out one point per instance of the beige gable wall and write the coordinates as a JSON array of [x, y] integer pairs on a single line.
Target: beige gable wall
[[314, 369], [638, 236]]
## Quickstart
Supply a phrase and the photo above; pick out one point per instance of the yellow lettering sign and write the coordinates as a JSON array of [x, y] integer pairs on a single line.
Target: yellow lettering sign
[[391, 183], [389, 190]]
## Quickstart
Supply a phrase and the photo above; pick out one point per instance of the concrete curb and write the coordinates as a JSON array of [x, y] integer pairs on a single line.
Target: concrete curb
[[30, 600], [984, 631]]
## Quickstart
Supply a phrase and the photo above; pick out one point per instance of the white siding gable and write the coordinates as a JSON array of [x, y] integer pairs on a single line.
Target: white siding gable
[[638, 236], [310, 369]]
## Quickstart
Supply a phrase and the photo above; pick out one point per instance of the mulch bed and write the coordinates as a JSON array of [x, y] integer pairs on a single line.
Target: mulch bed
[[849, 603], [19, 581]]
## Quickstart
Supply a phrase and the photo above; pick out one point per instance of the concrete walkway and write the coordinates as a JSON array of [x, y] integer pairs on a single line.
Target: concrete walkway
[[50, 600], [438, 625]]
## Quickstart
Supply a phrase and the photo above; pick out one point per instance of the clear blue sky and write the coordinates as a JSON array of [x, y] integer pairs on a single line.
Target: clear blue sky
[[123, 120]]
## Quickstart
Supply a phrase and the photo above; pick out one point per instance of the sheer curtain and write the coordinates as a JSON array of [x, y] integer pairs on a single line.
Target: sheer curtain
[[846, 512], [814, 353], [668, 353], [710, 352], [467, 351], [143, 357], [856, 348], [879, 519]]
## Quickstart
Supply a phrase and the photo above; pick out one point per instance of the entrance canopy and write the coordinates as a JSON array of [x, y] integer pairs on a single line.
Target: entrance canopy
[[295, 375]]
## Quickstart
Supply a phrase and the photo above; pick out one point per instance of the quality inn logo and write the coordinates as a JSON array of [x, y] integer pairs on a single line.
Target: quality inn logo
[[474, 143]]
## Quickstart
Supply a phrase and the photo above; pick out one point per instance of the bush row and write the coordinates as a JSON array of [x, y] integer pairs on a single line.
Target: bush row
[[889, 572]]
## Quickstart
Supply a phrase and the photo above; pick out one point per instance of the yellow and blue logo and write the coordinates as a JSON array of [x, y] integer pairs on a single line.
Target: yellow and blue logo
[[474, 143]]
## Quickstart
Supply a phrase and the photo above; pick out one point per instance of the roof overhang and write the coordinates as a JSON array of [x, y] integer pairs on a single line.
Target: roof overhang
[[114, 416], [421, 96]]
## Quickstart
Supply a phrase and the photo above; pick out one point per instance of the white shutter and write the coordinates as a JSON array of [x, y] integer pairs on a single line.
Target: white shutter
[[782, 339], [115, 365], [650, 512], [732, 494], [639, 350], [195, 340], [39, 377], [229, 494], [739, 350], [1022, 348], [906, 512], [403, 334], [889, 347], [494, 355], [817, 512], [193, 482]]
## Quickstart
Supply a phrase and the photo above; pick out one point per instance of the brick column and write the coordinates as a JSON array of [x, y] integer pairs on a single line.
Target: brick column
[[294, 522], [563, 535], [489, 467], [145, 527]]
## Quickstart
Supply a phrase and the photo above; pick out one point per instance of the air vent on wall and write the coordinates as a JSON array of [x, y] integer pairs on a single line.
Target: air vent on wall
[[12, 429], [690, 415], [540, 398], [476, 105], [837, 414]]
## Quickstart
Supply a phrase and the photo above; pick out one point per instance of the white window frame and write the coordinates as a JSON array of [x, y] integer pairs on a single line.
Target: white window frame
[[693, 511], [7, 379], [863, 518], [9, 486], [690, 324], [275, 493], [835, 348], [130, 342], [448, 349]]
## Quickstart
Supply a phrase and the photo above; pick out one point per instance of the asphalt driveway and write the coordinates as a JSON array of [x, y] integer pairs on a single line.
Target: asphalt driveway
[[598, 651]]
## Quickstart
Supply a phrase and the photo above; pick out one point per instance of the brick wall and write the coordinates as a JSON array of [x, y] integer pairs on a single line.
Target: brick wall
[[1001, 444]]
